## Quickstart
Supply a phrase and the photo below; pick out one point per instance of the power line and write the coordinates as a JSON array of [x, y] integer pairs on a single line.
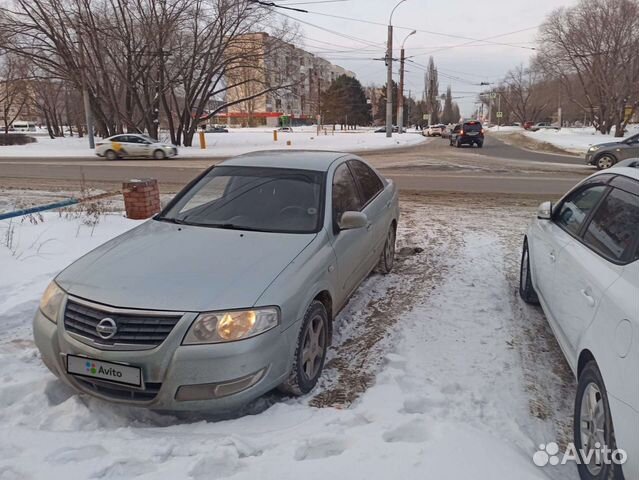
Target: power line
[[274, 5]]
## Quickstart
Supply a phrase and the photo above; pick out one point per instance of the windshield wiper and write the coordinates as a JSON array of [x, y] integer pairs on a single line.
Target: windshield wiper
[[172, 220], [231, 226]]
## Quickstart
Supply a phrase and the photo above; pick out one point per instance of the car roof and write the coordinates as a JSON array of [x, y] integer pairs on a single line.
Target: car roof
[[631, 172], [316, 160]]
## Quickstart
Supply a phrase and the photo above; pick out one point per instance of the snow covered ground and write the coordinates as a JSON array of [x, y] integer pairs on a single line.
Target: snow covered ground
[[576, 140], [236, 142], [437, 371]]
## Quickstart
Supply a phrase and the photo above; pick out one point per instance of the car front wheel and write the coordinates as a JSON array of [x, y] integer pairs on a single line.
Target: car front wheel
[[605, 161], [159, 154], [111, 155], [387, 259], [310, 352], [593, 427], [526, 289]]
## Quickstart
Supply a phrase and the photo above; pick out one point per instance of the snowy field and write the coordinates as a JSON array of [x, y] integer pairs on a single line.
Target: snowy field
[[576, 140], [436, 371], [236, 142]]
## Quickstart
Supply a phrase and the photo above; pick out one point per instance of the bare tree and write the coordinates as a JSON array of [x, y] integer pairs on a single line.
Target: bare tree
[[14, 89], [142, 62], [596, 43], [522, 94]]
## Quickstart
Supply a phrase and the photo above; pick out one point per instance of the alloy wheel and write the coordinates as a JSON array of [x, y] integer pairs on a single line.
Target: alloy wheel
[[592, 418], [313, 347], [605, 162]]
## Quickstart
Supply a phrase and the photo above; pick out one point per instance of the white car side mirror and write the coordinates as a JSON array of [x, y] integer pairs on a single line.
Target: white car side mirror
[[352, 220], [544, 212]]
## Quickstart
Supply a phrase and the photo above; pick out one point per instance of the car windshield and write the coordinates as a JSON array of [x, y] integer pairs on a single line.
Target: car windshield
[[149, 139], [252, 198]]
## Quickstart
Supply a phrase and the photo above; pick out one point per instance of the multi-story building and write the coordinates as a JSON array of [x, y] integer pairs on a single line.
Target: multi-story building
[[296, 80]]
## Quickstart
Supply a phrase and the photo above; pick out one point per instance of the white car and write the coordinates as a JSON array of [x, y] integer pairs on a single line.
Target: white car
[[436, 130], [581, 263], [133, 145]]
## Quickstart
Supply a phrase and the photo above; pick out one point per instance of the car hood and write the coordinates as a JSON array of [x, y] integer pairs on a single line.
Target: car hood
[[606, 145], [163, 266]]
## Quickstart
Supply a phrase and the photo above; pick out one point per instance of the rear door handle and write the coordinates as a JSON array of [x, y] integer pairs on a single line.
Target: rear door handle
[[388, 204], [369, 225], [589, 299], [553, 259]]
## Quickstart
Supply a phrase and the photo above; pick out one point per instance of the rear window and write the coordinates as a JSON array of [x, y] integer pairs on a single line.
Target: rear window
[[472, 127]]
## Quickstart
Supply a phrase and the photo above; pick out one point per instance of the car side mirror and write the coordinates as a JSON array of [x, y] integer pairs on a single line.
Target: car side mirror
[[352, 220], [544, 212]]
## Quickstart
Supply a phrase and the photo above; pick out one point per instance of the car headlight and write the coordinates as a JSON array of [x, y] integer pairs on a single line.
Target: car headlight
[[229, 326], [51, 301], [594, 148]]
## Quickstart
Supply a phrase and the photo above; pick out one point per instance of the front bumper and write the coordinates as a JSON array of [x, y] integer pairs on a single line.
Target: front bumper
[[590, 158], [170, 366]]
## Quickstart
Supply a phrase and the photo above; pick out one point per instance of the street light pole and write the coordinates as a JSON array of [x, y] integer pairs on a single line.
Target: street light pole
[[389, 74], [400, 99]]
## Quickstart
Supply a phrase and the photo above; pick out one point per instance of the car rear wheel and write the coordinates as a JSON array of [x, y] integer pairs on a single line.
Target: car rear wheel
[[159, 154], [310, 352], [526, 289], [593, 425], [480, 144], [605, 161], [387, 259], [111, 155]]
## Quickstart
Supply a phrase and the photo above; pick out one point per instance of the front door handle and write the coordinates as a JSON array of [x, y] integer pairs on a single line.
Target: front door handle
[[589, 299], [553, 259], [369, 225]]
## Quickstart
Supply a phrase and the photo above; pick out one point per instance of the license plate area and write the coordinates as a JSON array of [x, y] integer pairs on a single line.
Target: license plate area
[[104, 371]]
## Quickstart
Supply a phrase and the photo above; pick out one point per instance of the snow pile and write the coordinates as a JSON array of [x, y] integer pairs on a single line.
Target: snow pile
[[577, 140], [449, 403], [236, 142]]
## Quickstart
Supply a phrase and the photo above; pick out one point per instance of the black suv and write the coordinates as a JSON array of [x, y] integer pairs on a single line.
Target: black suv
[[467, 133]]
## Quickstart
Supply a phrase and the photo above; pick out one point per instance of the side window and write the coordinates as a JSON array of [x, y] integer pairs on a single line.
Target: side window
[[119, 138], [615, 225], [575, 209], [368, 180], [345, 195]]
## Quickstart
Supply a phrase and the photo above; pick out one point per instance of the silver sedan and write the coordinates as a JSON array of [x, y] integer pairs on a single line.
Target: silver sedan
[[134, 145], [229, 292]]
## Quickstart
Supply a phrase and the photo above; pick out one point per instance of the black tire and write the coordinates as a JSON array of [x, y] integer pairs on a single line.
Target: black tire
[[526, 289], [387, 258], [605, 161], [480, 145], [159, 154], [111, 155], [304, 376], [590, 378]]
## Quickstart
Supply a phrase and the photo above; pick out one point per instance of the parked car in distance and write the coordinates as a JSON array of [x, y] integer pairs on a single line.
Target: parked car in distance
[[285, 129], [436, 130], [581, 262], [605, 155], [229, 292], [470, 133], [528, 125], [383, 129], [133, 145], [216, 129], [543, 126]]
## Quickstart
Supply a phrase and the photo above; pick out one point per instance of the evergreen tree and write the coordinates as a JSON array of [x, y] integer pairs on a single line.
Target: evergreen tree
[[381, 104], [345, 103]]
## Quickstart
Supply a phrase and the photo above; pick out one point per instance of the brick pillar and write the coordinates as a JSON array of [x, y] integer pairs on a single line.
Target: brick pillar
[[141, 198]]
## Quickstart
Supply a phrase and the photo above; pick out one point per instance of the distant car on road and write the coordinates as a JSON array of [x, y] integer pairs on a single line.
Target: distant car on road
[[467, 133], [528, 125], [228, 293], [580, 261], [436, 130], [543, 126], [133, 145], [285, 129], [605, 155], [216, 129]]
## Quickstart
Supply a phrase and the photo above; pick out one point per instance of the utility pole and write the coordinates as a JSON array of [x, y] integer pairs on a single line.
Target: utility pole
[[389, 74], [389, 83], [85, 97], [319, 101], [400, 96]]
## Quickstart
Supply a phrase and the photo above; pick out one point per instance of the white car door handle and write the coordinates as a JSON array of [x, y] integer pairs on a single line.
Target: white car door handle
[[388, 204], [369, 225], [552, 257], [589, 299]]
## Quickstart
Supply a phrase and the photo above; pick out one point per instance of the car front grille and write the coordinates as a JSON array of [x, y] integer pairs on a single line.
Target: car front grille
[[120, 392], [144, 329]]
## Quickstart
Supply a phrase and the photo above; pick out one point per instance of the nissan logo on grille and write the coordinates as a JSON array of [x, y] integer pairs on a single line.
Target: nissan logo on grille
[[107, 328]]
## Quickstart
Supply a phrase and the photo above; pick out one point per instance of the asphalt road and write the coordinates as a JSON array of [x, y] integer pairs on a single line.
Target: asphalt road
[[430, 167]]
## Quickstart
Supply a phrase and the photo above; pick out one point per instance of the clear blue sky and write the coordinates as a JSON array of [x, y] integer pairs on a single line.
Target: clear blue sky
[[355, 44]]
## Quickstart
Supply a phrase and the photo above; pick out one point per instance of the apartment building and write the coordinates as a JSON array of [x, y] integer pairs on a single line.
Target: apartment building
[[301, 77]]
